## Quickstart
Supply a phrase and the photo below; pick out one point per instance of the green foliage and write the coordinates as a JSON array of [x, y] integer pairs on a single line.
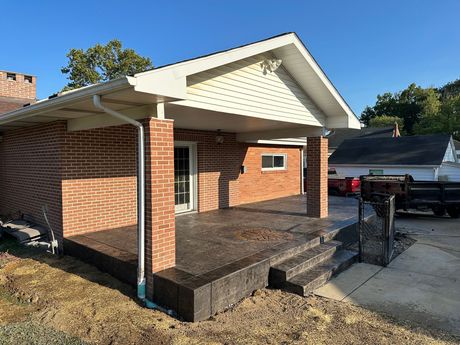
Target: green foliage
[[422, 110], [102, 63], [446, 120], [386, 121]]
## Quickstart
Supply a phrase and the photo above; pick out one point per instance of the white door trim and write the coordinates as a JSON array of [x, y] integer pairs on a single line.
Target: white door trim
[[193, 174]]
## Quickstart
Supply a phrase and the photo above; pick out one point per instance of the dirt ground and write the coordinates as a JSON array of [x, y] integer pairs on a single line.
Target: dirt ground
[[51, 300]]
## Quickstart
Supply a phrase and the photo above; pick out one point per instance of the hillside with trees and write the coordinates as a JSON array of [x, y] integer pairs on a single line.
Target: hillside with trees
[[418, 110]]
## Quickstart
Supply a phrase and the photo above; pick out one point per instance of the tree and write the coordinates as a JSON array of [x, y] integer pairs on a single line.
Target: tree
[[387, 104], [387, 121], [450, 89], [102, 63], [446, 120], [409, 105]]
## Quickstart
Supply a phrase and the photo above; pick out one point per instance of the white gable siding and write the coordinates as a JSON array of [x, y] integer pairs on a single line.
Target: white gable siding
[[451, 171], [244, 88], [449, 155], [419, 174]]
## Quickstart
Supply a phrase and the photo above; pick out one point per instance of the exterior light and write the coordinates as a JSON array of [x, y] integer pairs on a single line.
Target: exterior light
[[270, 65], [219, 137]]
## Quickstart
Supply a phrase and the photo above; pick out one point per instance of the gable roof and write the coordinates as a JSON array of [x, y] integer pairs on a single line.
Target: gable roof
[[411, 150], [339, 135], [169, 83]]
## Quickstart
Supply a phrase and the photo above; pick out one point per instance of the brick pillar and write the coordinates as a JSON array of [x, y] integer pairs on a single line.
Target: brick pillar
[[317, 198], [159, 219]]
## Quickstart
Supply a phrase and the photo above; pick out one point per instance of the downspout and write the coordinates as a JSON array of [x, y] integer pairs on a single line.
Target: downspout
[[141, 283]]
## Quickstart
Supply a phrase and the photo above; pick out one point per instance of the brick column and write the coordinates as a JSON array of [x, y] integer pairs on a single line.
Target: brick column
[[159, 219], [317, 198]]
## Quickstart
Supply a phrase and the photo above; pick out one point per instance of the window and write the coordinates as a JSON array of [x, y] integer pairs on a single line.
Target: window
[[375, 171], [28, 79], [11, 76], [274, 161]]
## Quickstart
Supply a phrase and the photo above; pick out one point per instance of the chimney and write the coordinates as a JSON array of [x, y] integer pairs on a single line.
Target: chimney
[[396, 133], [16, 89]]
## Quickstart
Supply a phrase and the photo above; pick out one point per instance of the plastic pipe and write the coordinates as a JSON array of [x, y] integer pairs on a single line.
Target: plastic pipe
[[141, 283]]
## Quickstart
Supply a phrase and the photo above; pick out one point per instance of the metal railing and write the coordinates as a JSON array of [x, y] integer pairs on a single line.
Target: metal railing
[[376, 232]]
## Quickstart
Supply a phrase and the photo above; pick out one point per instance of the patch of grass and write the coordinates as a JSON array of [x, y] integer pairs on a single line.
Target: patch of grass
[[6, 296]]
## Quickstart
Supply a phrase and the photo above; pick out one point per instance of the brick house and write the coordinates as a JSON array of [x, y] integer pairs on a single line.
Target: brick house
[[16, 90], [193, 136]]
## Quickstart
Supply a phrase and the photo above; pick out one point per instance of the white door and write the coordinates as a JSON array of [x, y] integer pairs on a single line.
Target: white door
[[184, 176]]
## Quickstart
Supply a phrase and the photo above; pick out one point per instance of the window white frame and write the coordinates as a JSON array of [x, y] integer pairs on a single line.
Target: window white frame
[[193, 176], [273, 155]]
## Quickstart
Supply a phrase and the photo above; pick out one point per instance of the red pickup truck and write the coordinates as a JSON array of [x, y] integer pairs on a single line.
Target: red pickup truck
[[343, 185], [338, 185]]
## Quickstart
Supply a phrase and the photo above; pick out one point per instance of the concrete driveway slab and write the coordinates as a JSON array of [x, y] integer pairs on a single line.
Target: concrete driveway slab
[[426, 299], [344, 284], [421, 285], [427, 259]]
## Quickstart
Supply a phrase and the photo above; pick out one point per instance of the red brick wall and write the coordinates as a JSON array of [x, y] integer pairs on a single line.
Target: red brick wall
[[17, 88], [257, 185], [30, 174], [220, 183], [99, 179], [96, 171], [218, 168], [317, 160], [160, 219]]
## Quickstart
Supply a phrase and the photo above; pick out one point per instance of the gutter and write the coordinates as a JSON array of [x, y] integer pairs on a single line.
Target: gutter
[[46, 105], [141, 282]]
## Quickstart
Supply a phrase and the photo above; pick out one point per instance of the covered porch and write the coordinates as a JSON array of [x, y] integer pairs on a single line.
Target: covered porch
[[115, 161], [228, 250]]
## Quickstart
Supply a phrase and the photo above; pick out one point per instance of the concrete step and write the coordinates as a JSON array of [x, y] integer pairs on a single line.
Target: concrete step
[[311, 279], [291, 250], [298, 263]]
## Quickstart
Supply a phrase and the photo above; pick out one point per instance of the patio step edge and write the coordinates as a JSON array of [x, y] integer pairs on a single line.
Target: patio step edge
[[301, 262], [309, 280], [290, 252]]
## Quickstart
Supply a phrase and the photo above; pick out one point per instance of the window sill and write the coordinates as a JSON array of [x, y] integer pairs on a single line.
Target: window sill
[[275, 171]]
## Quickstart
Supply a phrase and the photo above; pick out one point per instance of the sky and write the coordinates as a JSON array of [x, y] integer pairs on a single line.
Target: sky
[[365, 47]]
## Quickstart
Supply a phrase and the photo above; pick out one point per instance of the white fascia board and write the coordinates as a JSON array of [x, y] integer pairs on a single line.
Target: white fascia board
[[277, 142], [163, 82], [186, 68], [353, 121], [67, 98]]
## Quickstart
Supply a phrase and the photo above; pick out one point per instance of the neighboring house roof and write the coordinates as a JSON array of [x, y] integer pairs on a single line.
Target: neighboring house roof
[[169, 84], [339, 135], [410, 150]]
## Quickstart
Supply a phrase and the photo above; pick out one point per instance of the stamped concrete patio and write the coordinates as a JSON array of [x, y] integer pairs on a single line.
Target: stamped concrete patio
[[213, 247]]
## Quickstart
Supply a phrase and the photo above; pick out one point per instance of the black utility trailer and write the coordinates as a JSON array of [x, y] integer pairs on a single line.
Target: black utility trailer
[[439, 196]]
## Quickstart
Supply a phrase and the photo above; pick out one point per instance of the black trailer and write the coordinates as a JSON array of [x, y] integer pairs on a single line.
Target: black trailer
[[439, 196]]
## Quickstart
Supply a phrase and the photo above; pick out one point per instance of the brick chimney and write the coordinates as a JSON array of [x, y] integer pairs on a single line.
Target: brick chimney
[[16, 89]]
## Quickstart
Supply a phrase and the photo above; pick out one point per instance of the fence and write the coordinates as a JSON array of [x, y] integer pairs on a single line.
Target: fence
[[376, 233]]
